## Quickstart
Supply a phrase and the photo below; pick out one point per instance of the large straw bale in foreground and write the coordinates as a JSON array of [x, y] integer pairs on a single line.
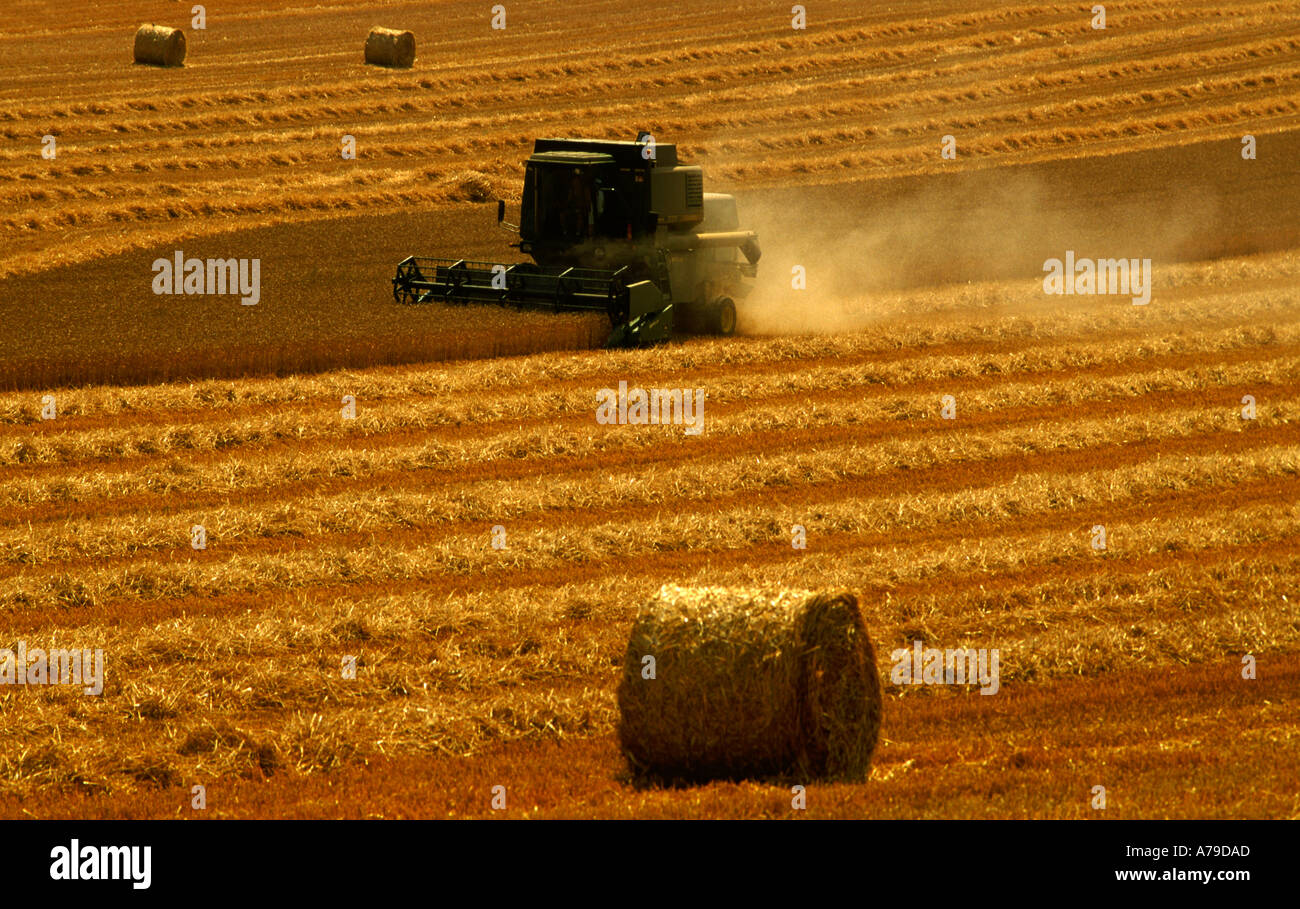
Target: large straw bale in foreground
[[390, 47], [159, 45], [750, 683]]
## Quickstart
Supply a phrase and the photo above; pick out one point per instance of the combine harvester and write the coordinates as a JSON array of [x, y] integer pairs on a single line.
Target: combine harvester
[[615, 227]]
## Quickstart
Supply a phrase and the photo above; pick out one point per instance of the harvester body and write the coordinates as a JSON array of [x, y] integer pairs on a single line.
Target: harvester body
[[619, 227]]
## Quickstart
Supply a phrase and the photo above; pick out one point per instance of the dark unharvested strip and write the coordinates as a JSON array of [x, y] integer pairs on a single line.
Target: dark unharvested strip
[[390, 47], [749, 683], [159, 45]]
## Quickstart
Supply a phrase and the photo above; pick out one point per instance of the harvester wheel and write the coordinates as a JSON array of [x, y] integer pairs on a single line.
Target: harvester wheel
[[722, 317], [404, 295]]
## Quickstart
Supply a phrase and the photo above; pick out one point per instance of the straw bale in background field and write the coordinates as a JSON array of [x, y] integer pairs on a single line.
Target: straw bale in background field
[[390, 47], [750, 683], [159, 45]]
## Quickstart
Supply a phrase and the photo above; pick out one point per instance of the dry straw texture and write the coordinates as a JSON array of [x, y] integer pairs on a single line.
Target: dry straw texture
[[390, 47], [159, 45], [750, 683]]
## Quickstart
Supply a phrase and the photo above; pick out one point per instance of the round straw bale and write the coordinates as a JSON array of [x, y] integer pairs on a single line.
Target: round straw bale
[[390, 47], [749, 683], [159, 45]]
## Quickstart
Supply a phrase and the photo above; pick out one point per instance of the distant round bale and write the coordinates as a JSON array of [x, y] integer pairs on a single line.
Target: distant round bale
[[747, 684], [390, 47], [159, 45]]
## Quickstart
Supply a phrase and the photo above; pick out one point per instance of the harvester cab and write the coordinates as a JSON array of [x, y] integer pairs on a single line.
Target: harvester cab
[[615, 226]]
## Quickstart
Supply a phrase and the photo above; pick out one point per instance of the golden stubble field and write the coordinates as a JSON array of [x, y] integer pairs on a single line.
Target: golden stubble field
[[371, 538]]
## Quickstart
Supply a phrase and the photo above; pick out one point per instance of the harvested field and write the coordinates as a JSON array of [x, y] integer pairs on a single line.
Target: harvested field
[[1124, 136], [1172, 425]]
